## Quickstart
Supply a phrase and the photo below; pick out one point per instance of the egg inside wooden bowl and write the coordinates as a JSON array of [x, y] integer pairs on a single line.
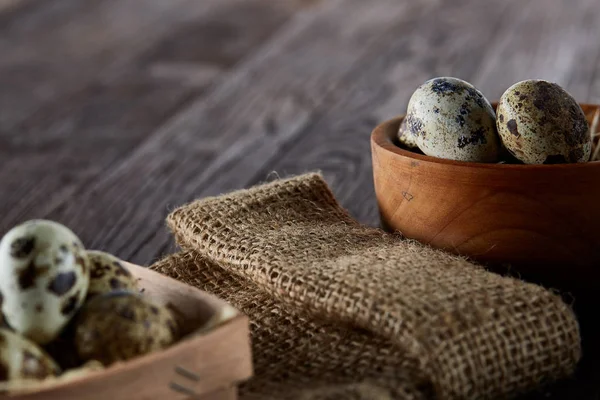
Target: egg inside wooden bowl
[[542, 220], [208, 362]]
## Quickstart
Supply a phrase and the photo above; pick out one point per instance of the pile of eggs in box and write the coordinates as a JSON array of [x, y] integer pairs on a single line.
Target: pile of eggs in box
[[65, 307]]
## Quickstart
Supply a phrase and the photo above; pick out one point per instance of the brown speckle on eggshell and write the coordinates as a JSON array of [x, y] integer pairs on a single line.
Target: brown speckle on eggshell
[[107, 273], [27, 276], [70, 304], [22, 247], [543, 124]]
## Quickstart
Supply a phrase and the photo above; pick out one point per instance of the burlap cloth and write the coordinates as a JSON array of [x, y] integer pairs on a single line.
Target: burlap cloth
[[344, 311]]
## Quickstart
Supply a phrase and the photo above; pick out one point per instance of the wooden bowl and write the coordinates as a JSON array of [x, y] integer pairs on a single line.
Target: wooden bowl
[[207, 363], [543, 220]]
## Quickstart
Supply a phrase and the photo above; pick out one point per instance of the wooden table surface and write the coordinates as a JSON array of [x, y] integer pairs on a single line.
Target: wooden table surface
[[113, 112]]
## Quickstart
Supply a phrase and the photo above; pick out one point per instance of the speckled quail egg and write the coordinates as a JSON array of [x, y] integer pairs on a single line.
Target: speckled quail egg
[[44, 277], [540, 123], [451, 119], [406, 137], [108, 273], [121, 325], [23, 359]]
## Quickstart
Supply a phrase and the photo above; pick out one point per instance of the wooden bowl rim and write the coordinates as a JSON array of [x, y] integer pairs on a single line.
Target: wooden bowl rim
[[383, 137]]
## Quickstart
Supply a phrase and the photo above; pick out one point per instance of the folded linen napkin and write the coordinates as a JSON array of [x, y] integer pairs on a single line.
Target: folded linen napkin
[[333, 302]]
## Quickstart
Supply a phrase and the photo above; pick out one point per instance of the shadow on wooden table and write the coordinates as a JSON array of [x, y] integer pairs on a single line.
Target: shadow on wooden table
[[585, 384]]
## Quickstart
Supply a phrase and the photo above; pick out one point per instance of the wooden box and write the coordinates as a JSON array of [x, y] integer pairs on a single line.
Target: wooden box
[[207, 363]]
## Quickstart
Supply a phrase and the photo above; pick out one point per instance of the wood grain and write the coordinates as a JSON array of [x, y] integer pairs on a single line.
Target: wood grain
[[9, 5], [113, 112], [256, 111]]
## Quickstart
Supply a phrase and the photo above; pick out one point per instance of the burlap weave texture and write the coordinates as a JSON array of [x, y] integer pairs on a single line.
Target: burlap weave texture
[[335, 302]]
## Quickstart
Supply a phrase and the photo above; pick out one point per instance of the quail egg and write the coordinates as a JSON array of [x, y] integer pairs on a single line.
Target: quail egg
[[44, 276], [451, 119], [540, 123], [23, 359], [121, 325], [406, 137], [107, 273]]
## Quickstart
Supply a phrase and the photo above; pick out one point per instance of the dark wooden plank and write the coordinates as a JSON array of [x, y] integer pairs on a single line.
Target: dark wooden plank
[[66, 143], [222, 38], [7, 6], [583, 61], [594, 83], [338, 144], [69, 142], [557, 42], [13, 10], [263, 104], [56, 48]]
